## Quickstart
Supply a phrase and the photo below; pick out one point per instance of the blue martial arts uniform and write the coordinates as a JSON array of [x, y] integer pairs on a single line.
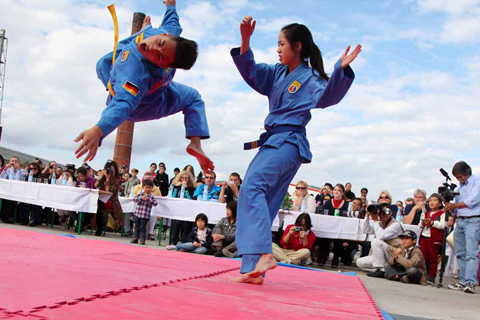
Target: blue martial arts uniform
[[291, 97], [143, 91]]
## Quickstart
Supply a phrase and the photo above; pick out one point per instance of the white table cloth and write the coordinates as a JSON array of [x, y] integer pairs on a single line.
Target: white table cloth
[[332, 227], [186, 210], [52, 196]]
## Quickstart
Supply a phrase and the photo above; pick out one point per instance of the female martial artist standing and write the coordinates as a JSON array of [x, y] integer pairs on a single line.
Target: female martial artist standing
[[293, 89]]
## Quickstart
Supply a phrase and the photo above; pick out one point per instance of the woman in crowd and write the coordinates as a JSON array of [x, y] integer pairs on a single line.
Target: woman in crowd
[[190, 168], [161, 179], [399, 205], [153, 167], [297, 242], [186, 179], [300, 195], [224, 232], [110, 182], [199, 239], [337, 206], [36, 210]]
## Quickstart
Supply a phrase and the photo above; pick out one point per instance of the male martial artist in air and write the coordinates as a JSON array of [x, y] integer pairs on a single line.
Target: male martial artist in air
[[141, 87]]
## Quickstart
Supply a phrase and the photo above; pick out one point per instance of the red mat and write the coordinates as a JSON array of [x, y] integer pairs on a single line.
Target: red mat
[[54, 277]]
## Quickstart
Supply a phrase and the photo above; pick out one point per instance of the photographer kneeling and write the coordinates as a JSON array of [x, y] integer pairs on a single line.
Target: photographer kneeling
[[467, 209], [297, 242], [386, 231]]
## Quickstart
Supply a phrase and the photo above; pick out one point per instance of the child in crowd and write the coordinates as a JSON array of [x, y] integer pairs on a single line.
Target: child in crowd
[[144, 201], [432, 223], [200, 238], [407, 266]]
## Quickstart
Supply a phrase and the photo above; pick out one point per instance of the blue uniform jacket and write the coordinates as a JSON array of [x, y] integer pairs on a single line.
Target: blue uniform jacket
[[139, 85], [292, 96]]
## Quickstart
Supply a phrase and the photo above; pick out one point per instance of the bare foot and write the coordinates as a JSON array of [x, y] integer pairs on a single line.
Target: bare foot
[[265, 263], [146, 22], [195, 150], [244, 278]]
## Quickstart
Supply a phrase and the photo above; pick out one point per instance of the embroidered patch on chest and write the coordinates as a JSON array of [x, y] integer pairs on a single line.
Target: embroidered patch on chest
[[294, 86], [131, 87], [139, 38], [125, 56]]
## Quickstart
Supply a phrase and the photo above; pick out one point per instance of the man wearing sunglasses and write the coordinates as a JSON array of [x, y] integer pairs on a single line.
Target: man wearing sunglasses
[[213, 189]]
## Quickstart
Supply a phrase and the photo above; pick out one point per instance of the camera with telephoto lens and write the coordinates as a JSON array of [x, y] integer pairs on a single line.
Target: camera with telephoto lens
[[447, 193], [447, 190], [379, 208], [108, 171]]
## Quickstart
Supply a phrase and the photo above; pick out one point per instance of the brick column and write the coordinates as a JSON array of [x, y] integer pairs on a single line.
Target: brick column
[[124, 141]]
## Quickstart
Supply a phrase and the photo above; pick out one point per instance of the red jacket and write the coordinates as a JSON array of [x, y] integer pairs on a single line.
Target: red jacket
[[435, 234], [295, 243]]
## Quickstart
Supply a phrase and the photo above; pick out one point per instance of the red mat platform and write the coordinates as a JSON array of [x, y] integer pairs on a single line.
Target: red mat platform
[[54, 277]]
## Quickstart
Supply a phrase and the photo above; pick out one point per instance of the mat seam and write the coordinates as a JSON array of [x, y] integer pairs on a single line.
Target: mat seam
[[39, 309]]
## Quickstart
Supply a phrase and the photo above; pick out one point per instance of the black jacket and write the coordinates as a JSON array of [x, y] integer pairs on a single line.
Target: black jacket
[[161, 181], [192, 237]]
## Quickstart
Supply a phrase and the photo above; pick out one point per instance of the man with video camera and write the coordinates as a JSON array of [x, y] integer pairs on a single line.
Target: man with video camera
[[466, 207], [386, 230]]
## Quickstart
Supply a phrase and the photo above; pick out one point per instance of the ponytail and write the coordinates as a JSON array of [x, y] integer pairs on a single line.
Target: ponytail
[[317, 62], [299, 33]]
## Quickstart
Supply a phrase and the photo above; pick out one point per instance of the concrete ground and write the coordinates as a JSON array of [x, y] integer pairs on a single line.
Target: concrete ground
[[401, 301]]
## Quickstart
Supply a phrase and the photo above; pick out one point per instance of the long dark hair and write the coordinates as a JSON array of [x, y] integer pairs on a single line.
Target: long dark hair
[[114, 178], [299, 33], [232, 205], [308, 221]]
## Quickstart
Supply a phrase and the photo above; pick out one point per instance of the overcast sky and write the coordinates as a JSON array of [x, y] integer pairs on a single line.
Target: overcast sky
[[413, 107]]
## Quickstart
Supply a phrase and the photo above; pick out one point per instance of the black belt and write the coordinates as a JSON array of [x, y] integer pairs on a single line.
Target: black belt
[[477, 216], [270, 132]]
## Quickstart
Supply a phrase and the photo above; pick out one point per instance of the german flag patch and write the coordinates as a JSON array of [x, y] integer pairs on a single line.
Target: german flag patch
[[139, 38], [131, 87], [125, 56]]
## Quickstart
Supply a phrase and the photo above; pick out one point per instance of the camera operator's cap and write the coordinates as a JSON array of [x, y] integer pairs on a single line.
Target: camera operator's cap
[[408, 234], [124, 166]]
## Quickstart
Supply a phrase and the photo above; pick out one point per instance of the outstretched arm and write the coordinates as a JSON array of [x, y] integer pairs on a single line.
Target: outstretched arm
[[339, 83], [246, 30]]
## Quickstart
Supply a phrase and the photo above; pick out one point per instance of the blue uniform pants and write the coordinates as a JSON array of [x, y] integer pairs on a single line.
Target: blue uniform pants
[[263, 191], [176, 98]]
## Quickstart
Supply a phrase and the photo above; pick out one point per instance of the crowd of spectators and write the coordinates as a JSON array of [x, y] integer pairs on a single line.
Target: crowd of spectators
[[394, 252]]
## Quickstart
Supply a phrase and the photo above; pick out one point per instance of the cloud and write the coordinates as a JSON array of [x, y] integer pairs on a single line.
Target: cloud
[[463, 23], [273, 26]]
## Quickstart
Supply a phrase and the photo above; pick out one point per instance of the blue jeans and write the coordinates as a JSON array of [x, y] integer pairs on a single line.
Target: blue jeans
[[189, 247], [141, 227], [466, 237]]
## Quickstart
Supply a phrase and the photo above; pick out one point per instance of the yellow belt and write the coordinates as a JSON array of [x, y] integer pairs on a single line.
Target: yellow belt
[[111, 8]]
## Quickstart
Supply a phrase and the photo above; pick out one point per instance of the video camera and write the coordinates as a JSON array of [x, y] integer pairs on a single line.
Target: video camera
[[447, 190], [379, 208]]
